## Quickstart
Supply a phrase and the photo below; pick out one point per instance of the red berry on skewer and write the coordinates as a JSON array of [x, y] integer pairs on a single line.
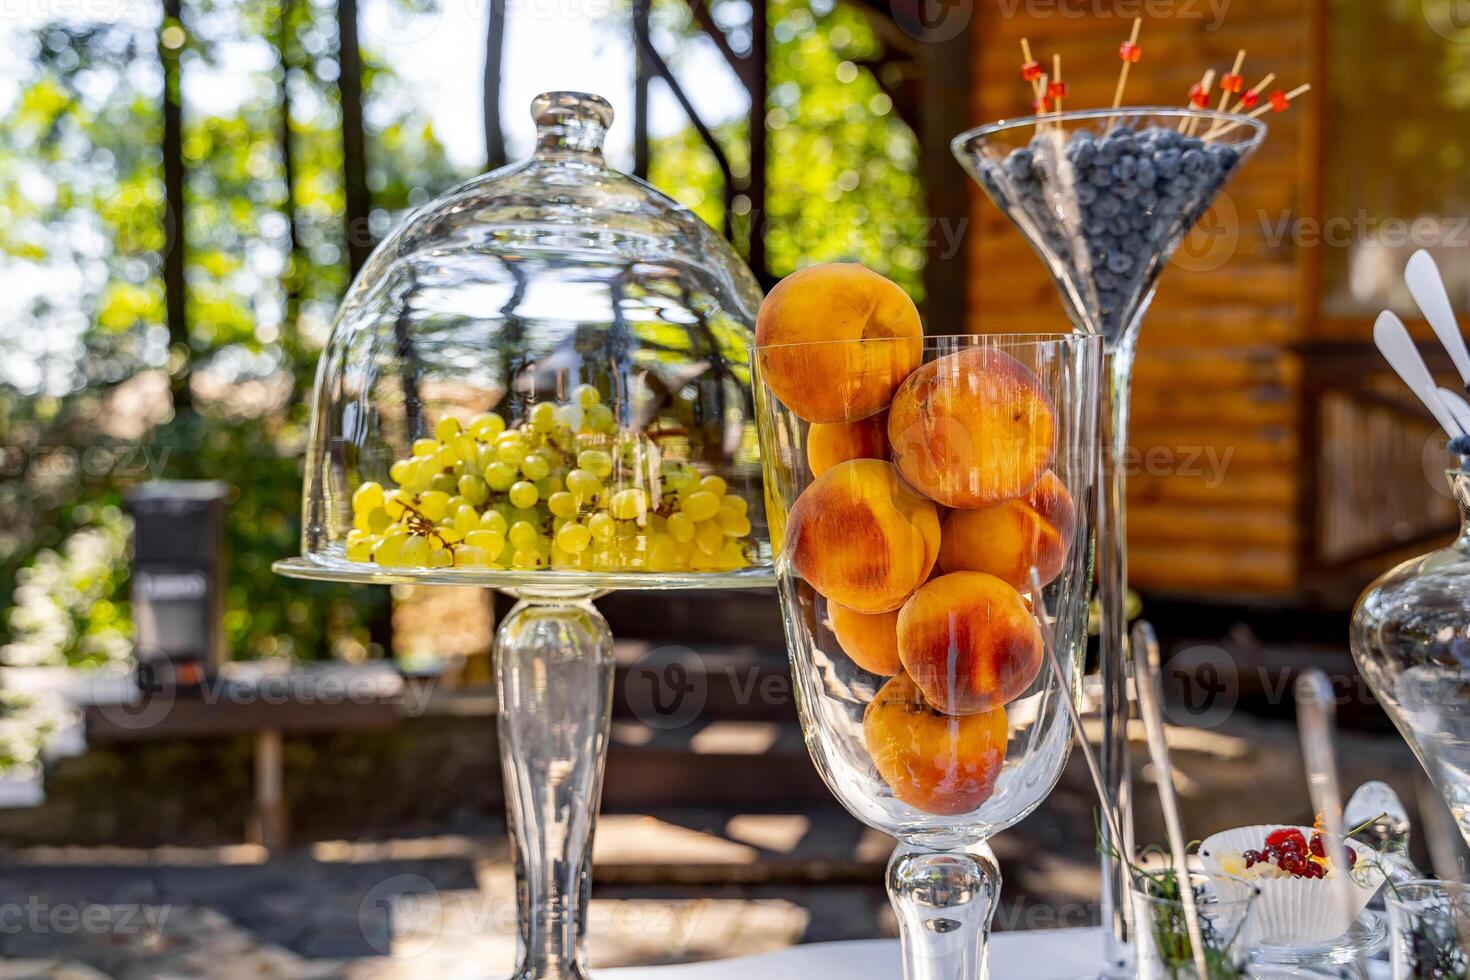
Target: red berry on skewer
[[1249, 100], [1278, 101], [1199, 97], [1056, 90], [1130, 52], [1031, 71], [1232, 83]]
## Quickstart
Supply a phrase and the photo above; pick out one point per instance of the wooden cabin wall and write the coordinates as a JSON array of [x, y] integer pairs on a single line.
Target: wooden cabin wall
[[1221, 468]]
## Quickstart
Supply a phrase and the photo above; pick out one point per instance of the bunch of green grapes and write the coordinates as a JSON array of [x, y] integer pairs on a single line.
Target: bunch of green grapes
[[565, 489]]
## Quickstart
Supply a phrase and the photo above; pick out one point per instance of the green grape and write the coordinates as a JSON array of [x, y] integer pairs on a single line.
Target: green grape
[[488, 541], [465, 447], [732, 502], [425, 446], [734, 525], [535, 466], [389, 548], [466, 519], [446, 428], [602, 526], [681, 527], [486, 457], [583, 484], [446, 533], [499, 476], [393, 504], [663, 553], [433, 504], [506, 553], [562, 504], [732, 557], [699, 505], [494, 520], [367, 497], [469, 556], [376, 520], [585, 395], [445, 459], [542, 416], [523, 536], [415, 552], [596, 462], [573, 538], [400, 470], [511, 452], [443, 558], [628, 505], [523, 494], [709, 537], [474, 489], [444, 483], [486, 426], [714, 485], [676, 477], [569, 417], [599, 418]]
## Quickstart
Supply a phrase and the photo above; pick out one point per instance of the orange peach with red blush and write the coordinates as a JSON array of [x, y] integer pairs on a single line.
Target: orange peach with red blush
[[969, 642], [869, 639], [830, 443], [837, 382], [972, 428], [1007, 538], [861, 538], [934, 762]]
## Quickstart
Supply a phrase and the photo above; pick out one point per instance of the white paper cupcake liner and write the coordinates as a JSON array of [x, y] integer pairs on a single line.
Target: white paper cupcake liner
[[1292, 911]]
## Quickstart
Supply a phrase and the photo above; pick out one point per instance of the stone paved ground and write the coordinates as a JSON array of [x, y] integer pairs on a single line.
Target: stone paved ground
[[673, 886]]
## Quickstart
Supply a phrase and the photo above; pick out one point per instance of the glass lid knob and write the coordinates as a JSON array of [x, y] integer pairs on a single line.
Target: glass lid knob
[[570, 122]]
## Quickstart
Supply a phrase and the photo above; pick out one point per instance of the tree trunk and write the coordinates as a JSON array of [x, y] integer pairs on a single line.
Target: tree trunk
[[291, 278], [358, 204], [494, 59], [174, 285]]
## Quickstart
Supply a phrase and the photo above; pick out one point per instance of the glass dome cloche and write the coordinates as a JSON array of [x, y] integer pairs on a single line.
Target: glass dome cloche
[[542, 375], [539, 384]]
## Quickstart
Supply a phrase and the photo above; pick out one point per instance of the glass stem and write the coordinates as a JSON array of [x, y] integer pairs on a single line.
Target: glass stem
[[554, 677], [1112, 592], [944, 901]]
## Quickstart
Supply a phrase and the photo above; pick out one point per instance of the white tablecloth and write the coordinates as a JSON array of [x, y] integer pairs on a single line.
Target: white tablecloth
[[1049, 954], [1038, 954]]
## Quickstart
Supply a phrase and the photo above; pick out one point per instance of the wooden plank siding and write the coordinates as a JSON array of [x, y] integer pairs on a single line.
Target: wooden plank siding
[[1217, 486]]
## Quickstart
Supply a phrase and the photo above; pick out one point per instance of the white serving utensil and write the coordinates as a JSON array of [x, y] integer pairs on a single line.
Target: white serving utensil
[[1427, 287], [1397, 347]]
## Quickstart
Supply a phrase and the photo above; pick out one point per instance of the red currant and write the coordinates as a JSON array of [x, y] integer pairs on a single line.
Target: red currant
[[1287, 834], [1253, 858], [1318, 848]]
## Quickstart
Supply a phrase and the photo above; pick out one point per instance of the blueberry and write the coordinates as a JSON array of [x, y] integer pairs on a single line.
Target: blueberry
[[1108, 152], [1119, 225], [1095, 227], [1165, 137], [1227, 156], [1086, 194], [1098, 176], [1134, 244], [1107, 205], [1142, 220], [1018, 164], [1191, 143], [1167, 162], [1179, 185], [1192, 162], [1146, 173], [1126, 168], [1127, 190]]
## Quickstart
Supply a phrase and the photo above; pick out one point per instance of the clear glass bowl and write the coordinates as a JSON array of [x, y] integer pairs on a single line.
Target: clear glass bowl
[[1410, 637], [577, 306], [905, 537]]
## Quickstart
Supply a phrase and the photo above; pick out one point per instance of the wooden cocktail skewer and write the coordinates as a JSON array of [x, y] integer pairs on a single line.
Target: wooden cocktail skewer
[[1186, 125], [1230, 84], [1145, 649], [1247, 100], [1031, 71], [1129, 52], [1040, 105], [1276, 103], [1057, 88]]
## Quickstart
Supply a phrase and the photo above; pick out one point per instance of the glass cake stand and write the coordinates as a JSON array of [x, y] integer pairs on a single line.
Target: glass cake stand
[[538, 384]]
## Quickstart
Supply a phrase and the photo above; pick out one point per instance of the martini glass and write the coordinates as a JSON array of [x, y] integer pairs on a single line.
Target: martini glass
[[1105, 196]]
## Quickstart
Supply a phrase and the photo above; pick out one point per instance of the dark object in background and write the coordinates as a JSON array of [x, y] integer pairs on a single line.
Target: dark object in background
[[178, 581]]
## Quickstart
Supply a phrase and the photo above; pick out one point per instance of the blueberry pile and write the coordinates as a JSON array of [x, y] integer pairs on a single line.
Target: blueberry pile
[[1121, 200]]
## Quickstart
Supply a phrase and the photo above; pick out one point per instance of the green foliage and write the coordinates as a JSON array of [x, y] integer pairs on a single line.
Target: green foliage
[[843, 168]]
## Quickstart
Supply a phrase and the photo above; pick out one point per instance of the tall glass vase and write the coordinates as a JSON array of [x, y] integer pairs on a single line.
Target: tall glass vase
[[1105, 196]]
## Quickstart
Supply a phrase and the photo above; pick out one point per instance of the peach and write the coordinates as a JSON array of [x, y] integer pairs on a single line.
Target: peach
[[1007, 538], [870, 639], [934, 762], [830, 443], [972, 428], [861, 538], [969, 642], [839, 301]]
